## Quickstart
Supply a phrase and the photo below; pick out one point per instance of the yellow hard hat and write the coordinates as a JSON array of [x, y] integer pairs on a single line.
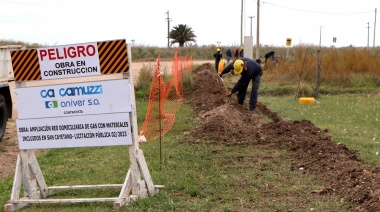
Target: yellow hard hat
[[242, 47], [218, 50], [238, 66]]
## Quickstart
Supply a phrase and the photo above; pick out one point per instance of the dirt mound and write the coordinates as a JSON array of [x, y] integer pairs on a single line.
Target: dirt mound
[[208, 89], [220, 116], [312, 149]]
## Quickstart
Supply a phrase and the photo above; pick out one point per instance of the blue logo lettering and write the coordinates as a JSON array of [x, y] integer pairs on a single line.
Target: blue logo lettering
[[47, 93], [78, 91]]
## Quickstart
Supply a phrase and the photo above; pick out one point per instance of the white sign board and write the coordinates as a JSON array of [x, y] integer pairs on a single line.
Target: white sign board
[[76, 60], [112, 96], [75, 131], [79, 114]]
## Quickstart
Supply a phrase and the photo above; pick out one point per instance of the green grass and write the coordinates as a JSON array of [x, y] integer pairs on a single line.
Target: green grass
[[197, 177], [352, 119]]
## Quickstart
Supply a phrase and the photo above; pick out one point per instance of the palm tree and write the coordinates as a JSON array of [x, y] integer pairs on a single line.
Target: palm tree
[[181, 34]]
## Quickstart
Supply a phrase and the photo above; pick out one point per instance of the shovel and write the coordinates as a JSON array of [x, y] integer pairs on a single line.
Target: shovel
[[225, 87]]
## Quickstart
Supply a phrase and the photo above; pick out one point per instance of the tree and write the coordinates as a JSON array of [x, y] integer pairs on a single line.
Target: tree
[[181, 34]]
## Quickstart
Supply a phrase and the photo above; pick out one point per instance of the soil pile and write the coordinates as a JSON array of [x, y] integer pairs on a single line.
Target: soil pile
[[311, 147]]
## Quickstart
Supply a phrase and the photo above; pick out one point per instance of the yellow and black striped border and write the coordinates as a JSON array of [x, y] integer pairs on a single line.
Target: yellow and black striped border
[[25, 65], [113, 56]]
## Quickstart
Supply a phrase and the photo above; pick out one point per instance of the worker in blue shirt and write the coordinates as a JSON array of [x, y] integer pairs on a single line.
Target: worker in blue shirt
[[249, 70]]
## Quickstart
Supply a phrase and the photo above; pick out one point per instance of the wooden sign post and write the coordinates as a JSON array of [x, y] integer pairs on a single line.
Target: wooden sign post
[[96, 113]]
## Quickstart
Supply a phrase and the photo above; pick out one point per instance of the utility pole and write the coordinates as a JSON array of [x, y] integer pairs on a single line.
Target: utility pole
[[374, 29], [319, 61], [251, 23], [320, 36], [168, 20], [241, 24], [258, 31], [368, 35]]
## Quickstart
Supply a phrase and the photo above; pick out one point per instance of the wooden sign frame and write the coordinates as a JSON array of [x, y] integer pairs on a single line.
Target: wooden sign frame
[[28, 175]]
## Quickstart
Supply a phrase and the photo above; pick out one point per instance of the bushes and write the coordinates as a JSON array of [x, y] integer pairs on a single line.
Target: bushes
[[341, 68], [144, 80], [344, 67]]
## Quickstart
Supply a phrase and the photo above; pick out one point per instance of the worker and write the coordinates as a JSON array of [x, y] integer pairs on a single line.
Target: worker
[[249, 70], [218, 56], [269, 55], [236, 53], [228, 54], [241, 52]]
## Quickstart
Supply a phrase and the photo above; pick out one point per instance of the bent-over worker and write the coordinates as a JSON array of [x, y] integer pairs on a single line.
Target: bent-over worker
[[249, 70]]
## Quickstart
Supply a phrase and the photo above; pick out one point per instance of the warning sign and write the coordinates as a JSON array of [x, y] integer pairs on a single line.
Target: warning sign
[[75, 114], [76, 60], [69, 61], [288, 42]]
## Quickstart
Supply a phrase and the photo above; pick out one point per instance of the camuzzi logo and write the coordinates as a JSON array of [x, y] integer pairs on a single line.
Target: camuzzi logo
[[67, 97], [73, 91], [51, 104]]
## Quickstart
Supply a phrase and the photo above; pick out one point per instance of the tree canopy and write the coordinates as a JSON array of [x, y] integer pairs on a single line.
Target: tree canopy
[[182, 34]]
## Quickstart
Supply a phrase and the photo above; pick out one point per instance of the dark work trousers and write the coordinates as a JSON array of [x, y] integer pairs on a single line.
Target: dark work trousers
[[217, 65], [254, 93]]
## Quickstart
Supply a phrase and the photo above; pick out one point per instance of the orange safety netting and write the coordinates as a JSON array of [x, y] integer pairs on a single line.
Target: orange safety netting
[[186, 63], [165, 98]]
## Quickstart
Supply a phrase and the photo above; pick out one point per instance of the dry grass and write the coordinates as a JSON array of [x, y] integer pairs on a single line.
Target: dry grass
[[346, 67]]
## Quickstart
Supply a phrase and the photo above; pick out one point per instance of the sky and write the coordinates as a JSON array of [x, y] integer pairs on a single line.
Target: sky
[[214, 22]]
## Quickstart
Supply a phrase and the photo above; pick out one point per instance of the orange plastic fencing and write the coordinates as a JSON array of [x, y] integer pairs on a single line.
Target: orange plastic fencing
[[165, 98], [186, 63]]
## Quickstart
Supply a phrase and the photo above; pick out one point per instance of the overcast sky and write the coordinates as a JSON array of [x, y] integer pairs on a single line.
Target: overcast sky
[[61, 22]]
